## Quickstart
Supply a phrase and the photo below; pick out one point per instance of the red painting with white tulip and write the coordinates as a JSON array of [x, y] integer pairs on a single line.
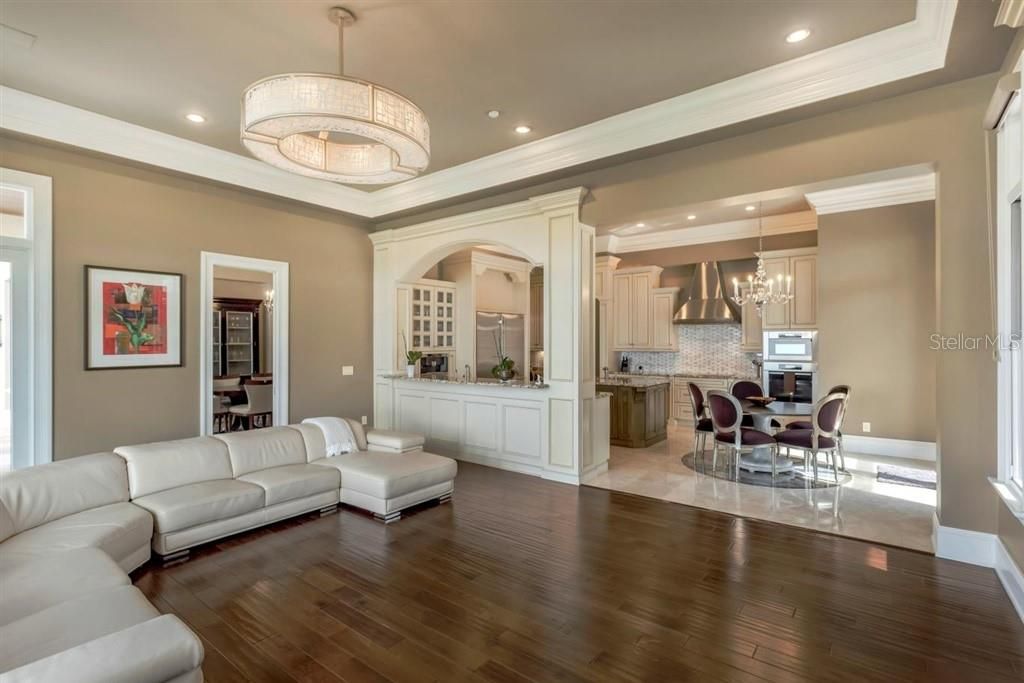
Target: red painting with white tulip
[[134, 318]]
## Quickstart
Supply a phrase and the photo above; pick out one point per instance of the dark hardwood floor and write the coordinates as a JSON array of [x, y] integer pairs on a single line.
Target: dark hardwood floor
[[521, 579]]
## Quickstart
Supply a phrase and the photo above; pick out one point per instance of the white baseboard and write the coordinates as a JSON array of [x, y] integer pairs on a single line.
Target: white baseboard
[[1011, 577], [894, 448], [963, 545], [594, 471]]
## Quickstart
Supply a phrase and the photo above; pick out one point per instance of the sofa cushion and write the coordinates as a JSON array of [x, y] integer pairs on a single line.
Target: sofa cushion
[[71, 623], [260, 449], [281, 484], [313, 437], [208, 501], [118, 530], [154, 467], [41, 494], [359, 432], [6, 522], [394, 441], [31, 584], [389, 475], [160, 649]]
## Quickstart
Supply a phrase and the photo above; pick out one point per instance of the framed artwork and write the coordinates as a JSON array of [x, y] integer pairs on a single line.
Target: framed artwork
[[133, 318]]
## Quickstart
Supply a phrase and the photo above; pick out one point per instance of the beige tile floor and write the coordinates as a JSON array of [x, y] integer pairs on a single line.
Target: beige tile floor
[[863, 508]]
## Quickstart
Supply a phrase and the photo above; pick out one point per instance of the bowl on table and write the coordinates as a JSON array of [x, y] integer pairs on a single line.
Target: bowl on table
[[760, 401]]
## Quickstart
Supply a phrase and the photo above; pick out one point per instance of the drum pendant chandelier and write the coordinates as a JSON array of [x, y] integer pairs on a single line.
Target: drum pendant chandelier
[[305, 123]]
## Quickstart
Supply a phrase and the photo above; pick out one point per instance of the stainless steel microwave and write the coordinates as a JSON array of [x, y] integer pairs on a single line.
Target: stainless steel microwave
[[795, 347]]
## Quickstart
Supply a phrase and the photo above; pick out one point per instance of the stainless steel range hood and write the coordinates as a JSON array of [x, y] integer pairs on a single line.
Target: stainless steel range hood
[[707, 303]]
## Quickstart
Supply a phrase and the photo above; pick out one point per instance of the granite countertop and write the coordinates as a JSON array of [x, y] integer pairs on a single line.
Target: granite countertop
[[637, 381], [694, 375], [515, 384]]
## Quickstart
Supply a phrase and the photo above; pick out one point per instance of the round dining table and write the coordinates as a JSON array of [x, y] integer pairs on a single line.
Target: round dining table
[[760, 457]]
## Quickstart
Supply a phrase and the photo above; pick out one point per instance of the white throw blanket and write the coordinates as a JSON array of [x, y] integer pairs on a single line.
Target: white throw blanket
[[337, 433]]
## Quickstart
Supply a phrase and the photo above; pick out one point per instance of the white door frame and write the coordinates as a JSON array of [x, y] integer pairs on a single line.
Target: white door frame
[[37, 445], [279, 270]]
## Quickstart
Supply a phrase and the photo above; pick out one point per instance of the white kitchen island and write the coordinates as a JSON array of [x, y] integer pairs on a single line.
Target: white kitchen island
[[499, 425]]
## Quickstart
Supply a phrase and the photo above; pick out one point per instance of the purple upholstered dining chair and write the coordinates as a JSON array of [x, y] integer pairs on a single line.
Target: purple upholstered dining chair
[[744, 389], [727, 418], [823, 435], [701, 422], [807, 424]]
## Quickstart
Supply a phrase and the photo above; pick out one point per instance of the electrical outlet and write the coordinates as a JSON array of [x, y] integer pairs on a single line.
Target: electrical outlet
[[347, 369], [364, 419], [865, 427]]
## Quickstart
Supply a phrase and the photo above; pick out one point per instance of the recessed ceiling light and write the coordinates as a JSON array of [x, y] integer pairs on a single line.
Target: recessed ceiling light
[[493, 114], [523, 130], [641, 225], [798, 35], [750, 207], [691, 217], [195, 118]]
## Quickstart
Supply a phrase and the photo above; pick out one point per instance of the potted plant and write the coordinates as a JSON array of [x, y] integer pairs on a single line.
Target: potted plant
[[412, 358], [505, 370]]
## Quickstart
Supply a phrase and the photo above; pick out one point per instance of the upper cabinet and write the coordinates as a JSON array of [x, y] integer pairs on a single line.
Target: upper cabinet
[[431, 323], [801, 313], [642, 311]]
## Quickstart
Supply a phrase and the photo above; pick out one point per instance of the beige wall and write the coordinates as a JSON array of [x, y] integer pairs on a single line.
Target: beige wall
[[876, 283], [940, 126], [114, 214]]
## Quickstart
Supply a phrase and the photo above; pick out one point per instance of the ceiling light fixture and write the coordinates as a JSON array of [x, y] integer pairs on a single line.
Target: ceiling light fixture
[[641, 225], [750, 207], [294, 121], [523, 130], [798, 35], [195, 118], [691, 217]]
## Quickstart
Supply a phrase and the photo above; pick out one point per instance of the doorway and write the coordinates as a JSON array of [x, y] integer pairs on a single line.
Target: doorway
[[25, 319], [244, 343]]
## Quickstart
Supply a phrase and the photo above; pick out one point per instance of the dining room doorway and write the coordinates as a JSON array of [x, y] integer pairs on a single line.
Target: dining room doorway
[[244, 343]]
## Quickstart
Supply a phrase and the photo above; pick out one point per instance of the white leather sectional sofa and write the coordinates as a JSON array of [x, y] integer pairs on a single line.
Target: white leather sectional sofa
[[70, 531]]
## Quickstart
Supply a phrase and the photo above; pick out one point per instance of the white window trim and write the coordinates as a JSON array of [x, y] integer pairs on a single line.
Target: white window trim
[[39, 223], [279, 269], [1008, 190]]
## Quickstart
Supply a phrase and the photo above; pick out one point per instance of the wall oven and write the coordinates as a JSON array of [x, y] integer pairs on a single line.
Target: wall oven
[[795, 382], [798, 347]]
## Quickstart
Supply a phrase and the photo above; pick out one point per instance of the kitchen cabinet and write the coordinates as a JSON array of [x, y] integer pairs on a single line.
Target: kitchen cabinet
[[638, 413], [682, 407], [801, 313], [750, 336], [642, 311], [428, 322]]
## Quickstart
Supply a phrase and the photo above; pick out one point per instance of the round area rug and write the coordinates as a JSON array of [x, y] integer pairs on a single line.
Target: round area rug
[[795, 479]]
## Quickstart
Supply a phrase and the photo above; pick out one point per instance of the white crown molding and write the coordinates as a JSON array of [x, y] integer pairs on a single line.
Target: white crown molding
[[534, 206], [895, 53], [920, 188], [1010, 13], [800, 221], [899, 52], [29, 114]]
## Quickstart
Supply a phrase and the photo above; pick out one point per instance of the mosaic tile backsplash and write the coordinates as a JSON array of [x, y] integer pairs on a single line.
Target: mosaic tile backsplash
[[703, 350]]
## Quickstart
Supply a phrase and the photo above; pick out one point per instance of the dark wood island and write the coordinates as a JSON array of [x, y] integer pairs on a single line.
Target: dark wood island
[[639, 410]]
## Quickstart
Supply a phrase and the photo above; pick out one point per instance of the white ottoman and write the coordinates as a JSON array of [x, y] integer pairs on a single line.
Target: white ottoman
[[386, 483]]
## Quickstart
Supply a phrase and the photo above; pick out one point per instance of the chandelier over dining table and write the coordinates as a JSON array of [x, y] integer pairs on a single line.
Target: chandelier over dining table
[[760, 289], [334, 127]]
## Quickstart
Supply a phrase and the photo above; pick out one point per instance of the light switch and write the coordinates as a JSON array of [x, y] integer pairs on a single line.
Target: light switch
[[865, 427], [364, 419], [347, 369]]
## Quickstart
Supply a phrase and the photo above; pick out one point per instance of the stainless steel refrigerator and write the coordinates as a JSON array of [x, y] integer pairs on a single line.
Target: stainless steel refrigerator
[[513, 327]]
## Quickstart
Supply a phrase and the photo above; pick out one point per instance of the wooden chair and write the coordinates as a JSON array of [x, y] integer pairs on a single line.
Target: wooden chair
[[744, 389], [823, 435], [701, 422], [727, 419], [807, 424]]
